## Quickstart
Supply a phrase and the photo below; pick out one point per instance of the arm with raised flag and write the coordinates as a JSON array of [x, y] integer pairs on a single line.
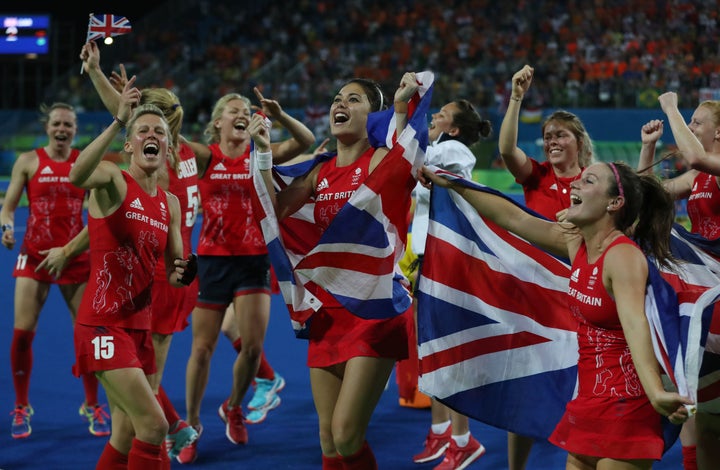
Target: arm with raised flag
[[353, 207], [110, 96]]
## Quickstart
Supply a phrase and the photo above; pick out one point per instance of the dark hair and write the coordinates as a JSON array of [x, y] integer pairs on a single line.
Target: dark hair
[[471, 125], [648, 212], [374, 93]]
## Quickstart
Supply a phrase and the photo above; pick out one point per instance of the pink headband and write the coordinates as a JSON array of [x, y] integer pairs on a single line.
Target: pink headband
[[617, 179]]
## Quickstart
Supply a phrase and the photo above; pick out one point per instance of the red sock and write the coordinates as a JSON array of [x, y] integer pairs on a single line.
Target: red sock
[[169, 410], [332, 463], [360, 460], [112, 459], [237, 344], [90, 384], [689, 455], [21, 362], [265, 371], [144, 456]]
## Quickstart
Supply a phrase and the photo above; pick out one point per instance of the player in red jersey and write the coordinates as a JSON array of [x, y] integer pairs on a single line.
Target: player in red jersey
[[234, 268], [350, 358], [132, 223], [54, 251], [171, 307], [617, 425], [568, 150], [699, 144]]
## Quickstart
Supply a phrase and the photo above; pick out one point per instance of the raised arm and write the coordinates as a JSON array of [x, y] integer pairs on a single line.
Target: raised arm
[[626, 271], [650, 133], [90, 55], [405, 91], [551, 236], [294, 196], [302, 137], [516, 161], [88, 172]]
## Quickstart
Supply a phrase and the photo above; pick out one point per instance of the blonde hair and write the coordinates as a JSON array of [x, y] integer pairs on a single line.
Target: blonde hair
[[169, 105], [212, 133]]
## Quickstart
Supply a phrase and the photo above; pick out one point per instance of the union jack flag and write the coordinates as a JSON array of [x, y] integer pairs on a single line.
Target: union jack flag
[[495, 329], [105, 26], [356, 258]]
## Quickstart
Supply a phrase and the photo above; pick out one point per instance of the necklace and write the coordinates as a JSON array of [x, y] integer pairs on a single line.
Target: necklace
[[564, 198]]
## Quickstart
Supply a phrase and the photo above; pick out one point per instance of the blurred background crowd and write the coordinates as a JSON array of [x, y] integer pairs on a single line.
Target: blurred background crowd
[[611, 54]]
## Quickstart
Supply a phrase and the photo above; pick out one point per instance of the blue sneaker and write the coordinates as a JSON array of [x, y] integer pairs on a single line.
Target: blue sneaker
[[258, 415], [21, 421], [265, 392], [97, 419], [180, 437]]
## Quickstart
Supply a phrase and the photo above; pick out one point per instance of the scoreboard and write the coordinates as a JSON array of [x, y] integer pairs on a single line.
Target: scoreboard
[[24, 34]]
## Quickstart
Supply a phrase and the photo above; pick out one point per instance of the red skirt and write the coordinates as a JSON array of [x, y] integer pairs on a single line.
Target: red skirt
[[337, 335], [610, 427]]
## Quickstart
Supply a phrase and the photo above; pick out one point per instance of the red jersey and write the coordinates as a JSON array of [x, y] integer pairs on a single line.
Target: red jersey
[[229, 226], [171, 306], [703, 206], [545, 192], [611, 415], [184, 185], [124, 249], [56, 206], [336, 184], [336, 335]]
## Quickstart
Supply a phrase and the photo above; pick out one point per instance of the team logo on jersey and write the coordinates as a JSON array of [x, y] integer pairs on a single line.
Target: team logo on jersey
[[46, 171], [593, 278], [136, 204], [220, 167], [356, 177], [163, 210], [322, 185]]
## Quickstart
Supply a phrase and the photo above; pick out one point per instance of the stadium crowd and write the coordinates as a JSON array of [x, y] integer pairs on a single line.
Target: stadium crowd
[[586, 54]]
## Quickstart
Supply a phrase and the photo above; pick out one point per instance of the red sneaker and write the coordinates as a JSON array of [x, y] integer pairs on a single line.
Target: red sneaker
[[435, 446], [457, 458], [235, 429], [188, 454]]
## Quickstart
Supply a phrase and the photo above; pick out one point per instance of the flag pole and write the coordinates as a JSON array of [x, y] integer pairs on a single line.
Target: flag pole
[[87, 35]]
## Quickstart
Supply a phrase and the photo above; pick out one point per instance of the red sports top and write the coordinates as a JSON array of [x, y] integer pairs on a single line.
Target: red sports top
[[545, 192], [124, 249], [336, 184], [184, 185], [611, 415], [229, 226], [703, 206], [56, 205]]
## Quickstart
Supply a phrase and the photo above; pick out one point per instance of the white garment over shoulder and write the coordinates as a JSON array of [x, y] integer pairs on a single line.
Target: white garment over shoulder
[[450, 155]]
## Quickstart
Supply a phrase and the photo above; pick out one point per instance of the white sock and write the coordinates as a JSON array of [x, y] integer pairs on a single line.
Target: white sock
[[462, 440], [440, 427]]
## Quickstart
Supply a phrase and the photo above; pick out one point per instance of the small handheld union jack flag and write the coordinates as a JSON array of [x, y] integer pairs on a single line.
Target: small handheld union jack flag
[[105, 26]]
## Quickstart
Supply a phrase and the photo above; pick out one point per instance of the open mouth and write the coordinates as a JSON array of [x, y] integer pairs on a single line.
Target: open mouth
[[151, 148], [340, 118]]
